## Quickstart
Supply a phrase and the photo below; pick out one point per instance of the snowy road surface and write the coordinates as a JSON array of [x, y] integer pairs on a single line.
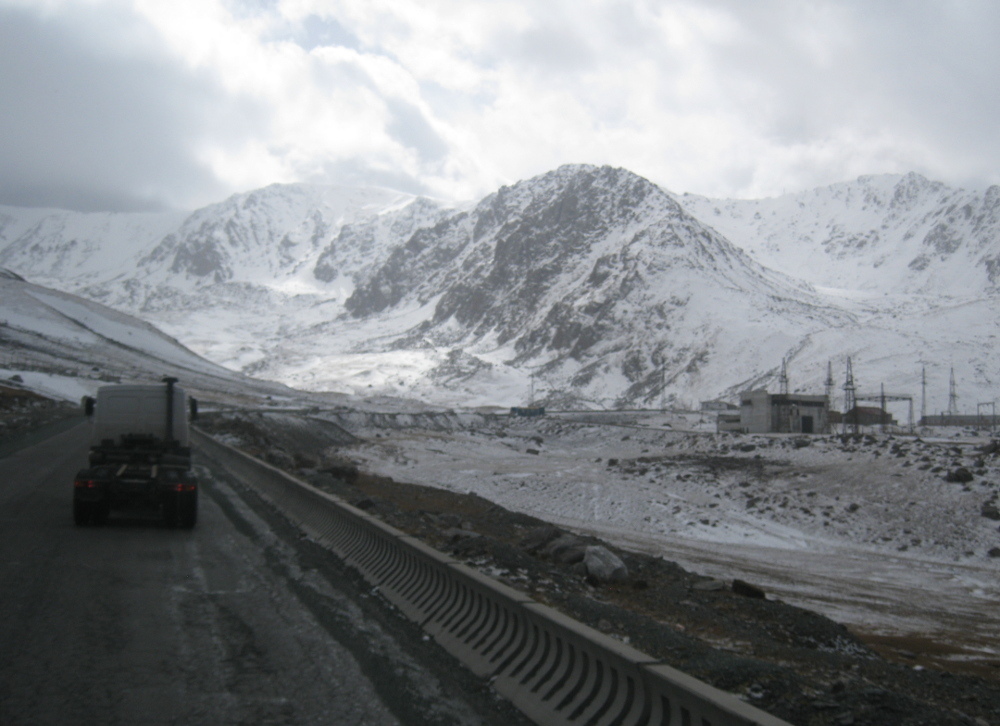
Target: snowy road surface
[[135, 623]]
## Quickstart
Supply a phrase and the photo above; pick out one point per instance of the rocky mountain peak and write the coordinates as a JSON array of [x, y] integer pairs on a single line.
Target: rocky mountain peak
[[913, 189], [515, 241]]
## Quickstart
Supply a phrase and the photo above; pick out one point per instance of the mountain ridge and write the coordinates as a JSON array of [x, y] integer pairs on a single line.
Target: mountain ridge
[[593, 282], [899, 232]]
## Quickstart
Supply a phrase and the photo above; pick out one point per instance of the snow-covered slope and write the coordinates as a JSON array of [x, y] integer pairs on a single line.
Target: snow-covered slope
[[65, 346], [884, 233], [67, 249]]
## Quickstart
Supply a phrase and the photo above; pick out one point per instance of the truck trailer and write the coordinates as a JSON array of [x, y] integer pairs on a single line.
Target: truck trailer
[[140, 457]]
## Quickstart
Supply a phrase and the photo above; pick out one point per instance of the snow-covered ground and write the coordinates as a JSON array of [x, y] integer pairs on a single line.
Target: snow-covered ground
[[864, 529]]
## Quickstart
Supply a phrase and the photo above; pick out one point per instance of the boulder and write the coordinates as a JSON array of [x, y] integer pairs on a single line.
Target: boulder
[[347, 471], [960, 475], [604, 565], [280, 459], [538, 537], [745, 589], [709, 585], [567, 549], [990, 511], [455, 534]]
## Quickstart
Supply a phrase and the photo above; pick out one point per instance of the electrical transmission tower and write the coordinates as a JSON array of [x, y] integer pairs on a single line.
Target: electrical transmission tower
[[783, 379], [849, 402]]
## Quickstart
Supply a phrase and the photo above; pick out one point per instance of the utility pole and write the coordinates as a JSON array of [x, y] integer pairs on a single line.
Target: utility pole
[[923, 394], [952, 396], [882, 415], [992, 405], [849, 402], [659, 361]]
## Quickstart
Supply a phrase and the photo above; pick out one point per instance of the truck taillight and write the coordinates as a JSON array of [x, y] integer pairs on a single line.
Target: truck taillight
[[85, 484], [185, 487]]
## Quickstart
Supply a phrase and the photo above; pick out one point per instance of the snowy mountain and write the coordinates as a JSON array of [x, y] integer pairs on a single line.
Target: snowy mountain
[[231, 279], [596, 280], [586, 285]]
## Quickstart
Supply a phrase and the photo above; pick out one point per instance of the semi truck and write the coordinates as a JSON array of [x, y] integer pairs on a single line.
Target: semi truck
[[140, 457]]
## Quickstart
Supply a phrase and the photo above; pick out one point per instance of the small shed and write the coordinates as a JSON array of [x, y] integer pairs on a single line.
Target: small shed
[[783, 413]]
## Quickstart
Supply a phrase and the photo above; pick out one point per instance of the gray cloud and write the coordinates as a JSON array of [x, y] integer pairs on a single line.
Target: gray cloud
[[363, 172], [102, 110], [89, 127], [411, 128], [922, 72]]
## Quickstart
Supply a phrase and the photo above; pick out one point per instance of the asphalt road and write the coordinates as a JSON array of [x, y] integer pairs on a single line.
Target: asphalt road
[[238, 621]]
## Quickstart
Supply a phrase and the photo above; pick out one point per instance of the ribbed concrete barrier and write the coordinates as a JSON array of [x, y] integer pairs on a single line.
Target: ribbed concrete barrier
[[553, 668]]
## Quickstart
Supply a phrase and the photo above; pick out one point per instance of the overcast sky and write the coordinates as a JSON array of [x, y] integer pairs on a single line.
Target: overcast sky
[[150, 104]]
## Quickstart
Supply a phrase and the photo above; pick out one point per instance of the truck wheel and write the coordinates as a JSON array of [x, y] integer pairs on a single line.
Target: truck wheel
[[81, 513], [101, 512], [188, 519], [171, 517], [187, 514]]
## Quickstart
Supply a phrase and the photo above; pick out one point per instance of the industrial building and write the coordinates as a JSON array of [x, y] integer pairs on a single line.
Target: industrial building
[[864, 416], [783, 413]]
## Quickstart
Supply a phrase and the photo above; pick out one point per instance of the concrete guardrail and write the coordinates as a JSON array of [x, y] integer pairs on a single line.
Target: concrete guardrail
[[555, 669]]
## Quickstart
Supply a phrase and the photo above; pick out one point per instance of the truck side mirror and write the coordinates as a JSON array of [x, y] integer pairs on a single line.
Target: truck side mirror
[[87, 404], [193, 406]]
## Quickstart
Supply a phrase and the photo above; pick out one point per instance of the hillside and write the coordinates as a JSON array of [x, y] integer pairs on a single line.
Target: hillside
[[64, 346]]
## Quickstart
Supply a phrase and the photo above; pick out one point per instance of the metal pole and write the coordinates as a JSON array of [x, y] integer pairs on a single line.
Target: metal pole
[[663, 382], [923, 394], [882, 415]]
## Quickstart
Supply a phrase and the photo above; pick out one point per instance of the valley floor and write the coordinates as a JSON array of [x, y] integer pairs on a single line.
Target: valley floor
[[864, 529]]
